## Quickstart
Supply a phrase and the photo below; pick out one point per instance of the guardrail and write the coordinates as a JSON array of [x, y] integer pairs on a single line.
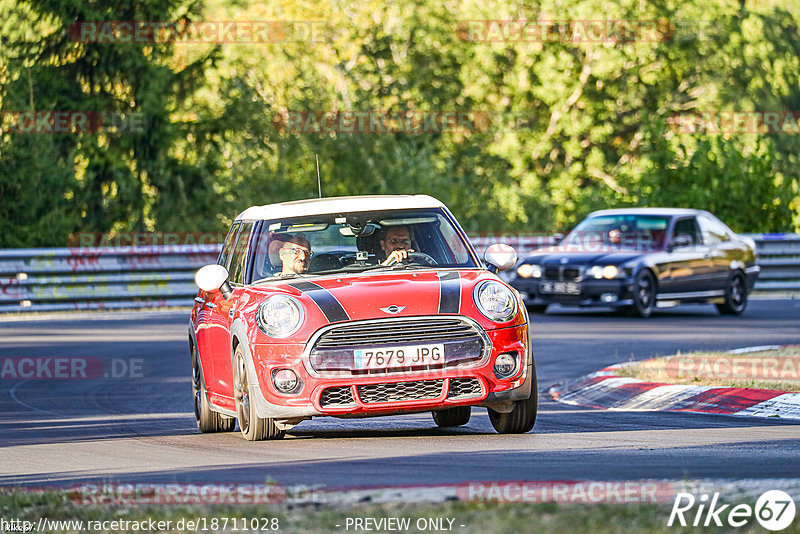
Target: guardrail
[[159, 276]]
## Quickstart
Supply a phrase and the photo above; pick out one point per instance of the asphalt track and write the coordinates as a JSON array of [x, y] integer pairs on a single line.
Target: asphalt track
[[63, 432]]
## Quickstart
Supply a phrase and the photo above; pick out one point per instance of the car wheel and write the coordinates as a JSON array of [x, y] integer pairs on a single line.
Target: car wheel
[[520, 419], [735, 295], [457, 416], [207, 419], [644, 294], [253, 428], [522, 416], [538, 308]]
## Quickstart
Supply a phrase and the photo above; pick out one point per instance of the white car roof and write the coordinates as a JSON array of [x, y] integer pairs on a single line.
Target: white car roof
[[299, 208]]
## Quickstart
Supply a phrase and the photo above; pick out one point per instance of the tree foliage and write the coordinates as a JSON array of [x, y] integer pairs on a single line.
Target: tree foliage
[[597, 130]]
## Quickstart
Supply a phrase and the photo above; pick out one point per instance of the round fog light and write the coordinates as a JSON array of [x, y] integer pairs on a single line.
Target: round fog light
[[505, 365], [285, 380]]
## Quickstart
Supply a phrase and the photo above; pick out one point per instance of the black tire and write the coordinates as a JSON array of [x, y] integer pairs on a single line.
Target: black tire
[[538, 308], [522, 416], [207, 419], [644, 294], [519, 420], [457, 416], [735, 295], [252, 427]]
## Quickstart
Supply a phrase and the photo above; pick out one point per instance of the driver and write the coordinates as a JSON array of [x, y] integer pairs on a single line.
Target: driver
[[396, 244], [295, 254]]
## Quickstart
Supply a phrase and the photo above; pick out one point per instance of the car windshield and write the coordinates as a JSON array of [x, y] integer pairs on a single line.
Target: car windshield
[[356, 242], [620, 232]]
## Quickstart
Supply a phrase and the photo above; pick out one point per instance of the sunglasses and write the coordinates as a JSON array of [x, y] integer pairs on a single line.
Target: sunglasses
[[300, 251]]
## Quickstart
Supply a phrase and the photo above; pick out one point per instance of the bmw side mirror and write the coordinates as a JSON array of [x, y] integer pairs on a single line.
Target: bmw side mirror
[[555, 239], [500, 257], [212, 278]]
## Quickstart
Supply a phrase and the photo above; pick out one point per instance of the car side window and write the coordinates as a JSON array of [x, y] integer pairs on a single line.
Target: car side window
[[225, 253], [239, 256], [686, 233], [713, 232]]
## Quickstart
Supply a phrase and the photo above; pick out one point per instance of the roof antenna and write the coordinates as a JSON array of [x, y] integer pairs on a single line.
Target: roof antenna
[[319, 180]]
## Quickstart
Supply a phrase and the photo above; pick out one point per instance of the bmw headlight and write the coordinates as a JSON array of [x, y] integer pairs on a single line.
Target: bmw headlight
[[280, 316], [528, 270], [599, 271], [495, 301]]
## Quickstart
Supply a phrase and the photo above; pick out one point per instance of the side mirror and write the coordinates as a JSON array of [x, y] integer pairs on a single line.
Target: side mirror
[[212, 278], [555, 239], [500, 257]]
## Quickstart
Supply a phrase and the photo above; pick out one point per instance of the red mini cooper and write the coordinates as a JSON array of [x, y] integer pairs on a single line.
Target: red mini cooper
[[355, 307]]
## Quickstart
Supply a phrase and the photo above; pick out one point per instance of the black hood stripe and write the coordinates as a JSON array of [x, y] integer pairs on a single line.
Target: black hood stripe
[[449, 292], [323, 298]]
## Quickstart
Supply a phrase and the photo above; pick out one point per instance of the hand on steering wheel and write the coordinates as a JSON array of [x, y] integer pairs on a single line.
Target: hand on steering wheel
[[409, 256], [397, 256]]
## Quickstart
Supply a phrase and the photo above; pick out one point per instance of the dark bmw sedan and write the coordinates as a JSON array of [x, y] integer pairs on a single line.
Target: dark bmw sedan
[[641, 259]]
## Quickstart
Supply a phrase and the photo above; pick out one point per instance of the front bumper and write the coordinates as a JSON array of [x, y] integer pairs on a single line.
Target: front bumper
[[346, 395], [616, 292]]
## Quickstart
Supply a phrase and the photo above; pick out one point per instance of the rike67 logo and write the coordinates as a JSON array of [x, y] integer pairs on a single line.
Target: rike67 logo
[[774, 510]]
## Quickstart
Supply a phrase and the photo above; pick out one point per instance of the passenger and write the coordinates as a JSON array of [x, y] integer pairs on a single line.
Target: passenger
[[295, 254]]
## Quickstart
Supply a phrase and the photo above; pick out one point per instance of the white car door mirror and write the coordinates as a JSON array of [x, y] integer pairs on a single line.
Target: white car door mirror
[[212, 278], [500, 257]]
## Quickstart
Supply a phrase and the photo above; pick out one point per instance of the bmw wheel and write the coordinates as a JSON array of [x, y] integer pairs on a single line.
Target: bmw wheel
[[735, 295], [644, 294]]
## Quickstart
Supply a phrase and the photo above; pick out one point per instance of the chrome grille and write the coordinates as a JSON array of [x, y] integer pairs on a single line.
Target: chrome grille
[[462, 388], [413, 330], [337, 396], [400, 391]]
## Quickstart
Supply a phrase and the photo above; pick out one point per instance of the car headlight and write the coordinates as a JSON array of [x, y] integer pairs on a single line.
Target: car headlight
[[610, 271], [495, 301], [598, 272], [528, 270], [280, 316]]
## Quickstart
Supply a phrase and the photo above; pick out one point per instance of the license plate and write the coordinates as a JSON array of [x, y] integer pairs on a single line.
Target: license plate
[[408, 356], [566, 288]]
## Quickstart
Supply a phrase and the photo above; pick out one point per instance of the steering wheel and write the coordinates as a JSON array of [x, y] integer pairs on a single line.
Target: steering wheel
[[417, 257]]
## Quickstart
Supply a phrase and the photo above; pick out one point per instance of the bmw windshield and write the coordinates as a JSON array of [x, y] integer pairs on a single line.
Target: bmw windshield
[[619, 232]]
